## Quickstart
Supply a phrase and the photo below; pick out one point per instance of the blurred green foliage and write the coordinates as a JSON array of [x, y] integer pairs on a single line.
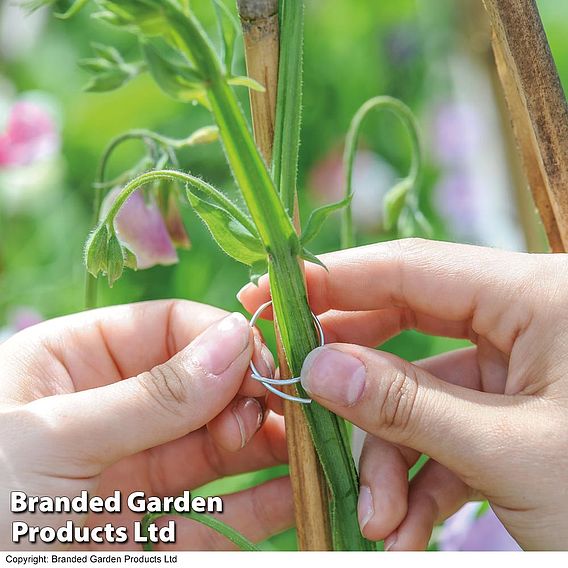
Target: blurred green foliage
[[354, 49]]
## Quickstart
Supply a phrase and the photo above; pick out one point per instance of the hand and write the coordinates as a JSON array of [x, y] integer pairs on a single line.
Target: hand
[[493, 419], [71, 420]]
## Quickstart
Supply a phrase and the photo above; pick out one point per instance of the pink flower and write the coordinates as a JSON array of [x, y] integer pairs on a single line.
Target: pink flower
[[141, 228], [18, 319], [465, 530], [456, 132], [23, 317], [30, 134]]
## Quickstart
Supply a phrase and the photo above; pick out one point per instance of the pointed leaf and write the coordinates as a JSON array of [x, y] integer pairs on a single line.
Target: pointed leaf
[[319, 217], [233, 237], [229, 29], [257, 270], [109, 69], [180, 82], [115, 260], [145, 16], [104, 82], [311, 257], [74, 9], [96, 250], [108, 52]]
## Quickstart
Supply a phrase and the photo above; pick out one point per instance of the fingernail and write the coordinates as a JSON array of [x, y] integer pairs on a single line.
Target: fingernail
[[268, 359], [390, 541], [249, 416], [365, 509], [334, 376], [216, 348], [242, 291], [263, 359]]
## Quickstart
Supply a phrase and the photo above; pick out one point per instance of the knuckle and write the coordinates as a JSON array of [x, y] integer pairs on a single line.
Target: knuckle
[[412, 243], [166, 386], [397, 399]]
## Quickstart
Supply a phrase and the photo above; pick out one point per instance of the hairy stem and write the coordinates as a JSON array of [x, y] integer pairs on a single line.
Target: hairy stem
[[281, 242]]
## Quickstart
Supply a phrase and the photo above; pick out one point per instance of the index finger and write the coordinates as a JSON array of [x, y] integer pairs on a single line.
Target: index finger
[[446, 281], [99, 347]]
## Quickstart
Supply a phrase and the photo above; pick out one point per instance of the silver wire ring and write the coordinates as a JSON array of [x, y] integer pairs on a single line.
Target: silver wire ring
[[267, 382]]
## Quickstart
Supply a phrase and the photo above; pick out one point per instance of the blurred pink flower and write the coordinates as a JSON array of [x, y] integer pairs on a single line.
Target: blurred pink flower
[[466, 531], [457, 132], [141, 228], [18, 319], [30, 134], [23, 317], [456, 199]]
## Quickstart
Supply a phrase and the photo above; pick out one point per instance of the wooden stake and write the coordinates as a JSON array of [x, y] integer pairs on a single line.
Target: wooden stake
[[259, 20], [538, 108]]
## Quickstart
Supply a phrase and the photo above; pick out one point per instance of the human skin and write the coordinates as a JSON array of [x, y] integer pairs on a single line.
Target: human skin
[[152, 397], [492, 418]]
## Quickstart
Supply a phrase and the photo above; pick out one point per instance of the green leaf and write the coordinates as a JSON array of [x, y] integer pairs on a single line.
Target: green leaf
[[258, 269], [231, 235], [319, 217], [141, 16], [394, 202], [228, 29], [177, 79], [108, 52], [208, 520], [96, 250], [104, 82], [74, 9], [130, 260], [115, 260], [289, 102], [110, 70], [311, 257], [242, 81]]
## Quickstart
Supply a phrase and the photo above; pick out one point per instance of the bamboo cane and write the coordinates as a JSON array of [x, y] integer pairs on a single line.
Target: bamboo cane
[[259, 19], [538, 108]]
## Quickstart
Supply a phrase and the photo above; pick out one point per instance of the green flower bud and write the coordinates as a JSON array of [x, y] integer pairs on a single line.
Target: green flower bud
[[96, 250], [115, 260]]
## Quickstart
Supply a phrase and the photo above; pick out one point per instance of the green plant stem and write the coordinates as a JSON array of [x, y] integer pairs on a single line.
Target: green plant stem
[[401, 111], [291, 308], [219, 526], [289, 102]]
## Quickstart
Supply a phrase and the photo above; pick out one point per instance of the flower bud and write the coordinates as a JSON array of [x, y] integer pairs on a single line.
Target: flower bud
[[96, 250], [204, 135], [115, 260]]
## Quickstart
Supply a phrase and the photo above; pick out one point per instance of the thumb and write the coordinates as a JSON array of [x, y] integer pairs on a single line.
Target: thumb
[[157, 406], [404, 404]]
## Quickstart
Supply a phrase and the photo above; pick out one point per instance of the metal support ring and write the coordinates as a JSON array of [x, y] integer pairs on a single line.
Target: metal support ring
[[269, 383]]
